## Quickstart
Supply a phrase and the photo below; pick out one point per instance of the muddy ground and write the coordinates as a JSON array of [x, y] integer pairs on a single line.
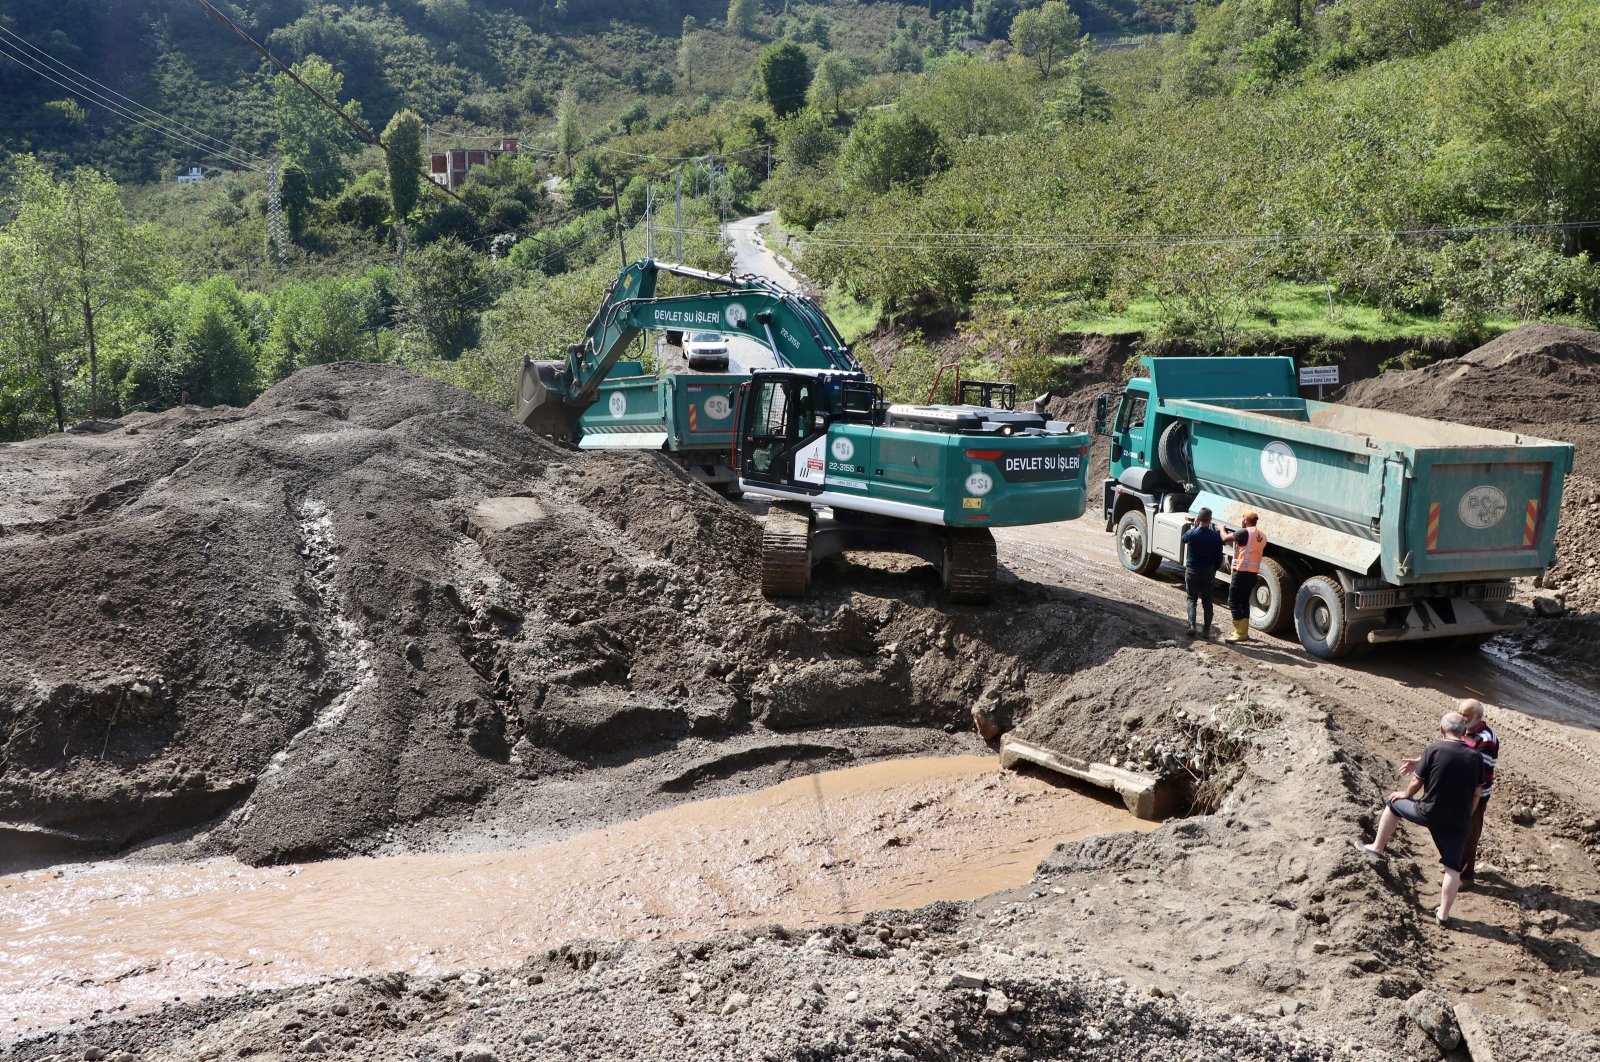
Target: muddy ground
[[296, 631]]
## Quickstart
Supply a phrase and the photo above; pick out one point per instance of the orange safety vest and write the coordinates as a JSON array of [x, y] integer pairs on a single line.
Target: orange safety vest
[[1247, 558]]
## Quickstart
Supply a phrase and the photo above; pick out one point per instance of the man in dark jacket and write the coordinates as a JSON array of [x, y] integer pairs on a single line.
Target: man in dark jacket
[[1449, 775], [1202, 557]]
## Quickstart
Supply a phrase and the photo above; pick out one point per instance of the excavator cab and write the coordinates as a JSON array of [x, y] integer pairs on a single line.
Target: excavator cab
[[784, 423], [780, 419]]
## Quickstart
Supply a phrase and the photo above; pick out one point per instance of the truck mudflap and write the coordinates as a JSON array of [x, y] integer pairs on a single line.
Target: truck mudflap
[[1426, 620]]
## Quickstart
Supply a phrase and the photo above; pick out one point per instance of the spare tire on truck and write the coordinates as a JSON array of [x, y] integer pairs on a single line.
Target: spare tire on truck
[[1172, 451]]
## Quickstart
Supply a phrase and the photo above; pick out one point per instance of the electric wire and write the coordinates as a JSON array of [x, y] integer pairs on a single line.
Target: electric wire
[[80, 78], [8, 50]]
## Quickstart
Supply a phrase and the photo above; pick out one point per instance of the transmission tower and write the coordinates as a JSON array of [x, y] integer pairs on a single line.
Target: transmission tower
[[276, 234]]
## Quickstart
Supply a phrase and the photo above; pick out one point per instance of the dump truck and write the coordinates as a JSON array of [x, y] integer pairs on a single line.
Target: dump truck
[[1381, 527], [845, 469]]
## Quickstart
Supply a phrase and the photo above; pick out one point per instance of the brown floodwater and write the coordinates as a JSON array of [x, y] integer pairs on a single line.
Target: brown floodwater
[[823, 848]]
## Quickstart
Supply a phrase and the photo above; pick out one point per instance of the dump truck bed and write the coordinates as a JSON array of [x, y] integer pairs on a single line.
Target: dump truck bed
[[1405, 498], [676, 412]]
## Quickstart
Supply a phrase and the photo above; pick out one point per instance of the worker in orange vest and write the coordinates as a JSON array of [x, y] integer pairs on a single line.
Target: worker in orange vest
[[1249, 546]]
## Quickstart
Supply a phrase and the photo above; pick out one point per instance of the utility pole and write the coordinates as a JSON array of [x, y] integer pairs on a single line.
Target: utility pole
[[616, 207], [677, 221], [650, 220]]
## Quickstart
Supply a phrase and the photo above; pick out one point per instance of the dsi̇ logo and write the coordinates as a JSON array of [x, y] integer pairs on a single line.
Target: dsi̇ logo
[[1482, 507], [843, 449], [1279, 466]]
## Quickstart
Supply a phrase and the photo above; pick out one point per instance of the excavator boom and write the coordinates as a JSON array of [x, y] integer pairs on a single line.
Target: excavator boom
[[553, 394]]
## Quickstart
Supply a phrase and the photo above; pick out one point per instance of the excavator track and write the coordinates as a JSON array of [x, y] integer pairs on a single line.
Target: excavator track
[[786, 551], [969, 566]]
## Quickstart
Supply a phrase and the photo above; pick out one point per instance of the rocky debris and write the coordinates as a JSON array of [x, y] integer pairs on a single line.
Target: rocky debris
[[1432, 1013]]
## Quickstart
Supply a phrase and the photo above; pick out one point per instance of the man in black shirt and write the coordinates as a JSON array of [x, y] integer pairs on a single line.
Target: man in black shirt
[[1202, 557], [1448, 775]]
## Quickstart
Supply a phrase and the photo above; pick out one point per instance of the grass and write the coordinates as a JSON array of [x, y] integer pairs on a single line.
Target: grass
[[1288, 311], [855, 320]]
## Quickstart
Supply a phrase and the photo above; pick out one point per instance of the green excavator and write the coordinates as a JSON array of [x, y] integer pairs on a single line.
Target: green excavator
[[845, 469]]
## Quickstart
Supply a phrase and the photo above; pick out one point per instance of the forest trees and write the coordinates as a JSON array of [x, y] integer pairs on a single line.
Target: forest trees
[[310, 135], [403, 135], [742, 17], [69, 252]]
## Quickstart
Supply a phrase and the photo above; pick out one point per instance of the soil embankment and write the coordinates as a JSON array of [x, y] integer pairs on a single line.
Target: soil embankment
[[301, 630]]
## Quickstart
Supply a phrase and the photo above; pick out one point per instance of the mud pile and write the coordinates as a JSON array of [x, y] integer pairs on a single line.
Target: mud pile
[[370, 601], [1543, 380], [1254, 933]]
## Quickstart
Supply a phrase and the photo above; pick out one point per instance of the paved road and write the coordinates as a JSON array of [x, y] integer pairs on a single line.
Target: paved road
[[752, 255]]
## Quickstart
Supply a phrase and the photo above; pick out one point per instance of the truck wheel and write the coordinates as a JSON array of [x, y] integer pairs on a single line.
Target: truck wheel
[[1173, 452], [1321, 617], [1272, 601], [1133, 544]]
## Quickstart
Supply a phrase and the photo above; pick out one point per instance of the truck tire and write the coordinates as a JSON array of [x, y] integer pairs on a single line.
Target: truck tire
[[1173, 452], [1133, 544], [1322, 619], [1273, 599]]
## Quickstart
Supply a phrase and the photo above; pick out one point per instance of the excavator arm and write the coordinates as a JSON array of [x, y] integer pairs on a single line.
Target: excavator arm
[[553, 394]]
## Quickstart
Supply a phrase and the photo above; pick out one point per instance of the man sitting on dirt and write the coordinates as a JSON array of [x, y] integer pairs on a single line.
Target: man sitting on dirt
[[1448, 774], [1202, 557]]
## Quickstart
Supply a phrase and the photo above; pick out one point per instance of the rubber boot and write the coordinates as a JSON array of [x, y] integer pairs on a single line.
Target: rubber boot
[[1241, 631], [1190, 631]]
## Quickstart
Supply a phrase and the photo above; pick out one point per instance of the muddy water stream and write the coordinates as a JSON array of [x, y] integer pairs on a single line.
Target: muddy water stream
[[821, 848]]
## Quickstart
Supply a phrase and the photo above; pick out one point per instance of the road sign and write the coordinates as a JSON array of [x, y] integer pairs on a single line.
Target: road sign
[[1319, 375]]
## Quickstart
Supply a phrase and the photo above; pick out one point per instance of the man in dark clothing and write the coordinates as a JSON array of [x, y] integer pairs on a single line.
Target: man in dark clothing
[[1448, 774], [1202, 557]]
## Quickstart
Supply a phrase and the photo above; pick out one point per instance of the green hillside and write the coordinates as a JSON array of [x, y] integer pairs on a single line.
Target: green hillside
[[1237, 171]]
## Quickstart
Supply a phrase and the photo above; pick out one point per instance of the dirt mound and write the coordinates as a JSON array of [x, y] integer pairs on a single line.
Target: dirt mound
[[371, 600], [1543, 380]]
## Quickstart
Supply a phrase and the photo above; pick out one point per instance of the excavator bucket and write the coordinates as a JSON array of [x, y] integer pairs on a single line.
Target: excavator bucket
[[539, 400]]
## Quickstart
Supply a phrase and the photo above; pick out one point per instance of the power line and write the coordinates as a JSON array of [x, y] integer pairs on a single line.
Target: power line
[[1133, 241], [80, 78], [8, 50], [362, 131]]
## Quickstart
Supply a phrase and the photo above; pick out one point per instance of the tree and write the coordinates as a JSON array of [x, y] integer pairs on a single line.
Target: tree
[[443, 289], [805, 139], [887, 148], [87, 248], [1046, 34], [1527, 101], [569, 134], [1275, 55], [403, 135], [742, 17], [323, 320], [308, 133], [964, 97], [784, 73], [836, 75], [35, 323]]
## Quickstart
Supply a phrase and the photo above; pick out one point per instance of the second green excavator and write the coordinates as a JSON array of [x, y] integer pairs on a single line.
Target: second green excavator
[[845, 470]]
